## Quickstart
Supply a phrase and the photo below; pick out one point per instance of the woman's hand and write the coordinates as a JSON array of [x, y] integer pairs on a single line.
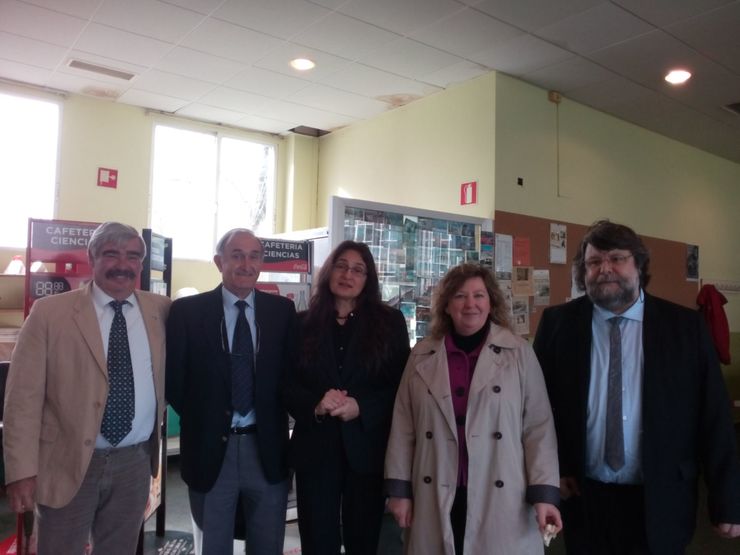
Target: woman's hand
[[402, 510], [349, 410], [546, 513], [332, 399]]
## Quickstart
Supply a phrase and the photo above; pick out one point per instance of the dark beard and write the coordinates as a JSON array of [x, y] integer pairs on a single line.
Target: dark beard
[[622, 299]]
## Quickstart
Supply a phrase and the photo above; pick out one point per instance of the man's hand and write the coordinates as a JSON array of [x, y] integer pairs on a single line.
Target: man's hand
[[401, 508], [347, 411], [332, 399], [569, 487], [22, 494], [727, 530]]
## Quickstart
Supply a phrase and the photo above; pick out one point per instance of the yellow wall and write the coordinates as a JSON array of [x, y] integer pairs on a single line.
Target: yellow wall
[[301, 163], [416, 155]]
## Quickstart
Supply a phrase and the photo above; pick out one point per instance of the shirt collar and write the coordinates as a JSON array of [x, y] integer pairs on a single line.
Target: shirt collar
[[635, 312], [103, 299], [229, 298]]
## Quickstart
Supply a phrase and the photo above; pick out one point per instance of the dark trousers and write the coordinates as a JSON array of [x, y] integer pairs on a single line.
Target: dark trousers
[[334, 493], [606, 519], [458, 515]]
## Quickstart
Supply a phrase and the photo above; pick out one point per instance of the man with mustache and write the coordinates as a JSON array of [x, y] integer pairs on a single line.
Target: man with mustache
[[227, 352], [640, 408], [84, 404]]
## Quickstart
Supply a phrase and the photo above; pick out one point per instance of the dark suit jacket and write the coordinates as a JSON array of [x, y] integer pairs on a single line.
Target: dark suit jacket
[[364, 438], [198, 384], [687, 426]]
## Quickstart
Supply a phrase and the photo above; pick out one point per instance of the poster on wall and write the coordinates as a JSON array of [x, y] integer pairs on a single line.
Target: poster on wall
[[558, 243], [520, 308], [692, 262], [503, 256], [541, 287], [523, 282]]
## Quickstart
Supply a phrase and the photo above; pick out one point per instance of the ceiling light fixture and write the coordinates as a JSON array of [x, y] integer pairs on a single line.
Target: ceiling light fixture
[[302, 64], [678, 76]]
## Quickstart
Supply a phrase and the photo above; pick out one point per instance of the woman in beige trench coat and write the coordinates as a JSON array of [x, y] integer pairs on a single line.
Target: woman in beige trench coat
[[471, 465]]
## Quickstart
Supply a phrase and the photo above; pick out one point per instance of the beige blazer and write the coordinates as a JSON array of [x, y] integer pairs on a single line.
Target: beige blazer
[[57, 389]]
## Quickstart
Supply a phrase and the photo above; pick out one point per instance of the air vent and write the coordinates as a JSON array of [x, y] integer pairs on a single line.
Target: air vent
[[94, 68], [310, 131], [734, 108]]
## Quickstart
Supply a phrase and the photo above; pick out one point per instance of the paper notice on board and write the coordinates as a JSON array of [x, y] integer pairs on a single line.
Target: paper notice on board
[[521, 251], [541, 287], [558, 243], [503, 256], [520, 307], [523, 282]]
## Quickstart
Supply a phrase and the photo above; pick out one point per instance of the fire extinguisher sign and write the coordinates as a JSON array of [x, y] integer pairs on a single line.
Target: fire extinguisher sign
[[469, 193]]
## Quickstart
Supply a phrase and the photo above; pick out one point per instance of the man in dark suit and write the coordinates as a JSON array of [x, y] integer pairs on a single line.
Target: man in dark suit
[[640, 408], [227, 350]]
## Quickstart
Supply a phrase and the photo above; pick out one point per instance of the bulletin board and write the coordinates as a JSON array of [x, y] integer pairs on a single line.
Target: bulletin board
[[667, 261]]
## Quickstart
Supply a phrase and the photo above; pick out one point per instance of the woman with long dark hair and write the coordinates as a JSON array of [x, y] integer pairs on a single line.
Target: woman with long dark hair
[[351, 353]]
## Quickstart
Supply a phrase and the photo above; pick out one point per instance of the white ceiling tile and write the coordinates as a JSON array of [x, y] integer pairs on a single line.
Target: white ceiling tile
[[234, 100], [330, 4], [409, 58], [148, 17], [230, 41], [456, 73], [266, 82], [151, 100], [171, 84], [305, 115], [594, 29], [279, 18], [665, 12], [266, 124], [466, 32], [715, 34], [24, 72], [401, 16], [521, 55], [342, 102], [279, 60], [210, 113], [532, 14], [372, 82], [30, 51], [199, 65], [571, 74], [39, 23], [121, 45], [602, 95], [79, 8], [88, 86], [344, 36], [200, 6]]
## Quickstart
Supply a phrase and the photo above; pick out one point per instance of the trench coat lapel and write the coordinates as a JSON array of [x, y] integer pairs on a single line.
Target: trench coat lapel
[[435, 374]]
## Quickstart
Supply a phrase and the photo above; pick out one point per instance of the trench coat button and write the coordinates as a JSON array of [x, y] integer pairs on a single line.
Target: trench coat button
[[427, 479], [460, 420], [497, 389], [429, 435], [460, 391], [499, 484], [497, 349], [497, 435]]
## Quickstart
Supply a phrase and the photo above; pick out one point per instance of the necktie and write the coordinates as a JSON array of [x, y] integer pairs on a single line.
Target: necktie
[[614, 448], [242, 364], [120, 407]]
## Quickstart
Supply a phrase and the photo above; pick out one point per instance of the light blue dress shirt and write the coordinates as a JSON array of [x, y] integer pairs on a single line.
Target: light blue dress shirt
[[230, 314], [632, 369]]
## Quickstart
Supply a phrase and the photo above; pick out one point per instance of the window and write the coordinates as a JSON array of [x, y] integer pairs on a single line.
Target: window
[[205, 184], [29, 132]]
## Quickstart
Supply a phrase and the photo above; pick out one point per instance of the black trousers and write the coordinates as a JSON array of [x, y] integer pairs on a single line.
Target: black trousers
[[458, 515], [606, 519], [334, 493]]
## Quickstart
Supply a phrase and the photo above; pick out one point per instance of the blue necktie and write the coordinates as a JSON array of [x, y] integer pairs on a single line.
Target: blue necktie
[[614, 445], [120, 406], [242, 364]]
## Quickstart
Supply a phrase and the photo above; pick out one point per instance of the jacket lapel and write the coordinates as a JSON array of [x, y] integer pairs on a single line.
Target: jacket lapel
[[86, 321], [214, 332], [435, 374]]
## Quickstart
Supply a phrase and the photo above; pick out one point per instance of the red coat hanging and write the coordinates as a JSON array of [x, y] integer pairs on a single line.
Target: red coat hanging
[[710, 303]]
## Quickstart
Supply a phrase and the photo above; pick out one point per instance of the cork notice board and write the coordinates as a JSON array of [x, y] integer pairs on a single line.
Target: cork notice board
[[667, 261]]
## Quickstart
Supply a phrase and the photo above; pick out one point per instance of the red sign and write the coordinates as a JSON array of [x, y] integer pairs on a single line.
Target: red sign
[[107, 177], [469, 193]]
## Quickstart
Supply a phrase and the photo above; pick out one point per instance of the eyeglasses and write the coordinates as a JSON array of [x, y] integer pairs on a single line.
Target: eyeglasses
[[344, 267], [614, 260]]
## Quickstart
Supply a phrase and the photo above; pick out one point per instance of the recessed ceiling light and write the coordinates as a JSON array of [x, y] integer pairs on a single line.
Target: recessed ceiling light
[[677, 76], [302, 64]]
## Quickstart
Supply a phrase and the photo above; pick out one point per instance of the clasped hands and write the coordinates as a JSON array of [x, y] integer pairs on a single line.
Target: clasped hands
[[337, 403]]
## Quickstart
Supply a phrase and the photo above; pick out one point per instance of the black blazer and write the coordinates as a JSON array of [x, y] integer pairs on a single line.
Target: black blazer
[[364, 438], [687, 425], [198, 383]]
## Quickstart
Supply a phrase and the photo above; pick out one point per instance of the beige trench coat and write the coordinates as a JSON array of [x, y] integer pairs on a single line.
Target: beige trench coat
[[511, 444]]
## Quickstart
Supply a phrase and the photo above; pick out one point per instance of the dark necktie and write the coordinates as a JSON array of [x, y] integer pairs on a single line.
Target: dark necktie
[[614, 446], [120, 406], [242, 363]]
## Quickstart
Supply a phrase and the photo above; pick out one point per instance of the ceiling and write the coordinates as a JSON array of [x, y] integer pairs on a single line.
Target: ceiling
[[227, 60]]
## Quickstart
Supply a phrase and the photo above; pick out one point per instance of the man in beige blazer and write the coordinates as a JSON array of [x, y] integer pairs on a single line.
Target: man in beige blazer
[[84, 404]]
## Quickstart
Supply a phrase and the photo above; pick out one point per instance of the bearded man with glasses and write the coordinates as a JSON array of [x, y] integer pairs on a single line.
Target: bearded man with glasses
[[640, 408]]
